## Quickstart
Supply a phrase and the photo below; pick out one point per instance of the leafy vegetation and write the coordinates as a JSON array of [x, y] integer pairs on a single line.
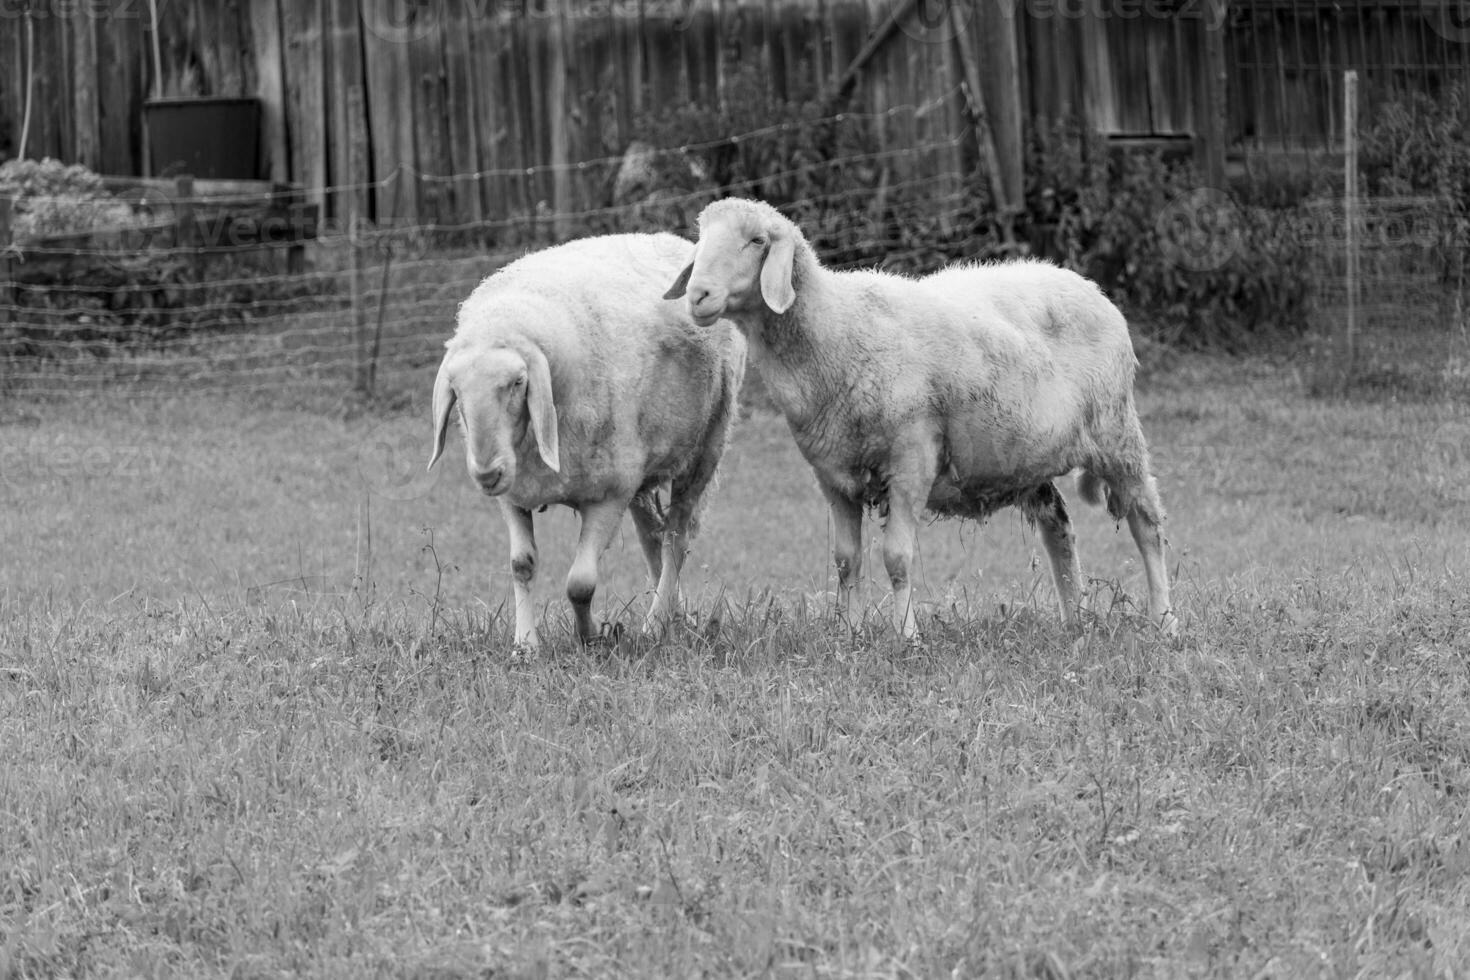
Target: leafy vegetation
[[53, 198], [1102, 213], [1190, 264], [111, 287], [1417, 143]]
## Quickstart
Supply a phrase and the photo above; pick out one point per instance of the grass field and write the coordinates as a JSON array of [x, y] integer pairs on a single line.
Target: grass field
[[260, 717]]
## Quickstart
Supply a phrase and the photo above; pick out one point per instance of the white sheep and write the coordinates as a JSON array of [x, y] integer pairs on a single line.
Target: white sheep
[[576, 385], [959, 393]]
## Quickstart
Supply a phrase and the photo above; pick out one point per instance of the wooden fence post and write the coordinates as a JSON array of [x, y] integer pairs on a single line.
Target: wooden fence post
[[287, 199], [359, 160], [184, 230], [980, 118]]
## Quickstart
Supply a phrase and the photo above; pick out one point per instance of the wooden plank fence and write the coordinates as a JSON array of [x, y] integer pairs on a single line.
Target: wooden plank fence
[[460, 111], [1288, 58]]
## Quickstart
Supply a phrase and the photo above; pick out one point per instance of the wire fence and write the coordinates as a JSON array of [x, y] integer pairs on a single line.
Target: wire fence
[[1390, 271], [234, 286], [1361, 112], [240, 287]]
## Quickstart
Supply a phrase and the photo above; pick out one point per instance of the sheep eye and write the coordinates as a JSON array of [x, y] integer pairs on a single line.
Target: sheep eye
[[759, 241]]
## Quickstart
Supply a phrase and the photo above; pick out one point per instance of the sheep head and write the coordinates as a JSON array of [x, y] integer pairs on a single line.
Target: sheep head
[[742, 262], [500, 391]]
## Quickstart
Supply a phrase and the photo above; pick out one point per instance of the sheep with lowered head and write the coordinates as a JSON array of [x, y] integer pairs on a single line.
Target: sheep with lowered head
[[959, 393], [576, 385]]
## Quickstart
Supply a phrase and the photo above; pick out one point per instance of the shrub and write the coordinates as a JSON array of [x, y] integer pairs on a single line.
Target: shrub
[[1186, 262], [123, 293], [1419, 144], [1204, 271], [52, 198]]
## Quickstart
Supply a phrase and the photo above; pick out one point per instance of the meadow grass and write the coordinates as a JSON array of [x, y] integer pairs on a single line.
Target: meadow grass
[[261, 716]]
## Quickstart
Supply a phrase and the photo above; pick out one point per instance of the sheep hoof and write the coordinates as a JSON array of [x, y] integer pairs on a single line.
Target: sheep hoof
[[1169, 625], [657, 624], [608, 635]]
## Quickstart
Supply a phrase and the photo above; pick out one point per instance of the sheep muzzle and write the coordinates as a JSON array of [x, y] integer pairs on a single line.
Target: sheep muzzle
[[706, 304], [492, 480]]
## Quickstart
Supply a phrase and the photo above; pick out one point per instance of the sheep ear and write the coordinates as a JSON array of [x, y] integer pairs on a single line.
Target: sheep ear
[[676, 291], [443, 403], [776, 274], [542, 408]]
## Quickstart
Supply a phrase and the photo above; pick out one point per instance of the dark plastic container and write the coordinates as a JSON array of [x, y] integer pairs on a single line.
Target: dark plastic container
[[209, 138]]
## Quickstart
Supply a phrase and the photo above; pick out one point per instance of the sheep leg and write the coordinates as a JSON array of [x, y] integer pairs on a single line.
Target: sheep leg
[[599, 525], [847, 548], [680, 524], [675, 549], [1135, 495], [1149, 537], [909, 478], [522, 569], [899, 537], [1047, 509], [649, 532]]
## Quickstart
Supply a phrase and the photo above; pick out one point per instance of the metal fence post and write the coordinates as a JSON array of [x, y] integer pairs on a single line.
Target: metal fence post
[[7, 285], [359, 318], [1350, 218]]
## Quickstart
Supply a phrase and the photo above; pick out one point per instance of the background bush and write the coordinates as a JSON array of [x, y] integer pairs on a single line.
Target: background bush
[[52, 198], [125, 293], [1087, 208], [1417, 144], [1107, 215], [1110, 215]]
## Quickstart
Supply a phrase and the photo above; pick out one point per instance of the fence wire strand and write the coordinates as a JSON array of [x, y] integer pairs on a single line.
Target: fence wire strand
[[240, 316]]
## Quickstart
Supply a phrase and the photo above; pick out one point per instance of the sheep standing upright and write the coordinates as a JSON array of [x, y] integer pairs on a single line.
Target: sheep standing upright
[[960, 393], [576, 385]]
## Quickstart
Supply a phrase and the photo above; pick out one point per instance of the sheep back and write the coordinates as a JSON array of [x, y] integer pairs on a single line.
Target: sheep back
[[1043, 374], [637, 385], [1020, 367]]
